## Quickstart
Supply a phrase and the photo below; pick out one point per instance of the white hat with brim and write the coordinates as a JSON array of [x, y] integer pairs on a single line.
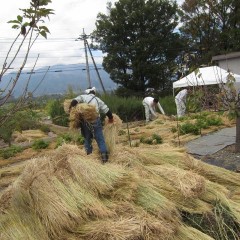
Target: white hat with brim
[[87, 91]]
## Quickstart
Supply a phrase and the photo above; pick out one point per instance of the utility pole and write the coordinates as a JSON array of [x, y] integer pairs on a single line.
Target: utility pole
[[99, 78], [84, 37]]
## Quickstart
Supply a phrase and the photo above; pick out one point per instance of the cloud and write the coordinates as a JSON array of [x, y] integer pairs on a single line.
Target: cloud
[[66, 25]]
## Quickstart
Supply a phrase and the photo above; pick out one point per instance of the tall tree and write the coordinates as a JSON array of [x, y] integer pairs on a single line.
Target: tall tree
[[212, 27], [141, 44]]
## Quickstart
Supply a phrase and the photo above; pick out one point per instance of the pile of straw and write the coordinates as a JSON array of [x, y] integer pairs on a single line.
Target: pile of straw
[[82, 111], [110, 132], [189, 183], [141, 194]]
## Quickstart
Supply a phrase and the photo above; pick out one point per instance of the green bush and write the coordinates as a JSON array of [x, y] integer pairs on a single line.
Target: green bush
[[203, 120], [44, 128], [154, 139], [56, 112], [189, 128], [174, 129], [168, 105], [40, 144], [214, 121], [80, 140], [68, 138], [128, 109], [19, 121], [10, 151], [25, 120], [201, 123], [157, 138]]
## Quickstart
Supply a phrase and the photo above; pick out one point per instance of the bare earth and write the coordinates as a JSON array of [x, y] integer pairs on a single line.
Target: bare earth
[[226, 158]]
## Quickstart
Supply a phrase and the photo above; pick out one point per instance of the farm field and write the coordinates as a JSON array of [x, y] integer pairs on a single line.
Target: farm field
[[153, 186]]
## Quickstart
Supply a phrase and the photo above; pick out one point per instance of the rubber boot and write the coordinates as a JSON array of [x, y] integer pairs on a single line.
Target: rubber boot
[[104, 157]]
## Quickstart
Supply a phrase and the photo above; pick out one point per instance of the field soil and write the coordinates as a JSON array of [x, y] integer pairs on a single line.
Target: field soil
[[227, 158]]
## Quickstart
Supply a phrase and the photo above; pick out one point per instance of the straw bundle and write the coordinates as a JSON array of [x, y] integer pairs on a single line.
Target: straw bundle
[[130, 222], [4, 199], [87, 112], [82, 111], [216, 191], [74, 119], [110, 132], [218, 174], [190, 233], [66, 105], [126, 228], [156, 204], [190, 184]]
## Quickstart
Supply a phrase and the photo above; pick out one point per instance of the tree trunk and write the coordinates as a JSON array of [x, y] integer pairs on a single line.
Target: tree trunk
[[237, 146]]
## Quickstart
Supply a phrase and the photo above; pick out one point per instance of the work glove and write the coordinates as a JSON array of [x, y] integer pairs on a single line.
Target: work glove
[[110, 116], [73, 104], [110, 120]]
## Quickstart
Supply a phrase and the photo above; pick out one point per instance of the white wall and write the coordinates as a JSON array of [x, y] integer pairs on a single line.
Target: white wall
[[232, 64]]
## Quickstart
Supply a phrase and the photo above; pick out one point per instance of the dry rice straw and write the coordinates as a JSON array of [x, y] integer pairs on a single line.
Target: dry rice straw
[[110, 132]]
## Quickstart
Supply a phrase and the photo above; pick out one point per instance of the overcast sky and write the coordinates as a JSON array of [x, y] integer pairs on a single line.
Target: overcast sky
[[66, 25]]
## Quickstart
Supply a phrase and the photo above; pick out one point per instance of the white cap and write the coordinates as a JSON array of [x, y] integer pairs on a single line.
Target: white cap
[[87, 91]]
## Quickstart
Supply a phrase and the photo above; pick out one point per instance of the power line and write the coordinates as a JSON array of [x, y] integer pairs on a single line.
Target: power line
[[57, 71]]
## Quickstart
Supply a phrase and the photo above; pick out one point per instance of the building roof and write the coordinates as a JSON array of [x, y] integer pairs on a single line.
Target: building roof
[[226, 56]]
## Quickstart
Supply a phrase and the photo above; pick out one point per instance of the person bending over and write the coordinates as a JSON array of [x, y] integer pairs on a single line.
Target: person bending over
[[93, 129], [150, 105]]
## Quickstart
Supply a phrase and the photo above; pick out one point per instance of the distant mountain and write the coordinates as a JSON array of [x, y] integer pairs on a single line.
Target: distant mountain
[[58, 79]]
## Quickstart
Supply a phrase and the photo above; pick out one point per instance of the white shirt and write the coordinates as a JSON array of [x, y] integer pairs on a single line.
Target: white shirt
[[182, 96], [149, 102]]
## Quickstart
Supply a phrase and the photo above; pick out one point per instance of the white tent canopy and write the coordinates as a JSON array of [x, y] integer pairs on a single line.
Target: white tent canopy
[[205, 76]]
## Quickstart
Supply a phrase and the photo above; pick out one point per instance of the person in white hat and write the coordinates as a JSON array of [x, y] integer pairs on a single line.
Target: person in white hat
[[94, 129], [150, 104]]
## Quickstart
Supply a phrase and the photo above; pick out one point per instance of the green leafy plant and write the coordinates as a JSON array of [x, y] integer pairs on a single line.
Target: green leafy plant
[[10, 151], [157, 138], [40, 144], [173, 129], [188, 127], [56, 112], [154, 139], [68, 138]]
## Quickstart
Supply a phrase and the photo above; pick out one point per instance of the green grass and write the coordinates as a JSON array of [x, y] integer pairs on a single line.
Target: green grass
[[10, 151]]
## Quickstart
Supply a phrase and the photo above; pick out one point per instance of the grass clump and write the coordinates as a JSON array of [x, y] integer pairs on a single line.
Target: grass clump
[[40, 144], [195, 123], [154, 139], [10, 151], [70, 138], [189, 128]]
